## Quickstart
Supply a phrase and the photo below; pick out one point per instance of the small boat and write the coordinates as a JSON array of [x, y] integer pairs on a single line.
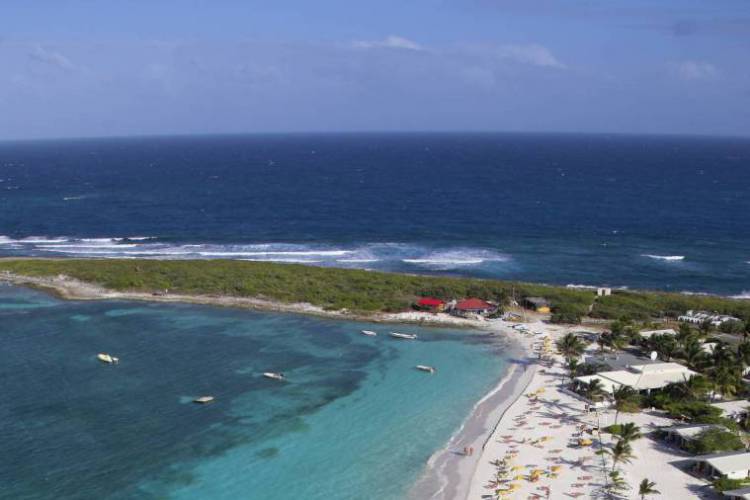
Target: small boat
[[106, 358], [274, 375], [405, 336], [425, 368], [369, 333], [204, 400]]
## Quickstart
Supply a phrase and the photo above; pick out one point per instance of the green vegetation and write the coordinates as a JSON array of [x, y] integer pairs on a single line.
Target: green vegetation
[[714, 441], [726, 484], [357, 290]]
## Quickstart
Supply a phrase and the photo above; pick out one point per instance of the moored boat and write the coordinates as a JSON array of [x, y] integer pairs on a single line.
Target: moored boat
[[106, 358], [204, 400], [425, 368], [405, 336], [369, 333], [274, 375]]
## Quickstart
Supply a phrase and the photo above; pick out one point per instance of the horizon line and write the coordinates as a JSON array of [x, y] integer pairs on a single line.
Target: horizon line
[[179, 135]]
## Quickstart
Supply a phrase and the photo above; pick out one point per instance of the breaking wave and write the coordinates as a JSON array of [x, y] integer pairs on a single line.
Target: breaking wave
[[384, 256], [669, 258]]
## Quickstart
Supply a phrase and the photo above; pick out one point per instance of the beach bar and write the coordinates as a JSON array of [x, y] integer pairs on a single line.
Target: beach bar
[[473, 306]]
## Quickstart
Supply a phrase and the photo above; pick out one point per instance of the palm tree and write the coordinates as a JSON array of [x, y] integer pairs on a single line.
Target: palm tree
[[573, 365], [621, 452], [629, 432], [571, 346], [617, 483], [727, 380], [693, 353], [593, 390], [626, 399], [647, 488], [664, 345]]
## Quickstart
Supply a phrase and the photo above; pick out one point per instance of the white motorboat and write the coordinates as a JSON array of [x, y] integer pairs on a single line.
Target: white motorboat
[[106, 358], [369, 333], [274, 375], [405, 336], [204, 400], [425, 368]]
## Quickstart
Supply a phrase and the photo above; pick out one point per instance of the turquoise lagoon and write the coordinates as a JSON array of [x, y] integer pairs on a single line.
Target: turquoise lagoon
[[354, 420]]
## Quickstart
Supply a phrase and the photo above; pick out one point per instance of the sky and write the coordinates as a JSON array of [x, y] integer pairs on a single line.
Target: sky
[[81, 68]]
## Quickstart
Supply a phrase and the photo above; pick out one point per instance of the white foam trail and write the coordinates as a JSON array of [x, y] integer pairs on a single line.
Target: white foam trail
[[94, 246], [670, 258], [288, 260], [41, 239], [322, 253], [442, 262], [357, 261]]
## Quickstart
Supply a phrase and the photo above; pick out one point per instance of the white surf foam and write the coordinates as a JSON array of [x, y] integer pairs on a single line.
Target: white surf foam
[[669, 258], [745, 295]]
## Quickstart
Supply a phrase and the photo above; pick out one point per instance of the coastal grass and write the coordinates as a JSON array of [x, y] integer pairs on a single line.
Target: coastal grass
[[352, 289]]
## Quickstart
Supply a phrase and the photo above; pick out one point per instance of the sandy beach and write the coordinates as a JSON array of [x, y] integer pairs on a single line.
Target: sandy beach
[[538, 439]]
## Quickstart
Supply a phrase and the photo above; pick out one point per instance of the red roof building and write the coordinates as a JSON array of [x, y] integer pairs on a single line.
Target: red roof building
[[473, 305], [430, 302]]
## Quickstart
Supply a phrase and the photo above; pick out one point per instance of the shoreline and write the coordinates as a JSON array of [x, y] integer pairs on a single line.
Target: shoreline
[[448, 473], [67, 288]]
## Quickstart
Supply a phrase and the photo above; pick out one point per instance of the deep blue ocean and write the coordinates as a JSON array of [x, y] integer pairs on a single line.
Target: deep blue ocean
[[668, 213]]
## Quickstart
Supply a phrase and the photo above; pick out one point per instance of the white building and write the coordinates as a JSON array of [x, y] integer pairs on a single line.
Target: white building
[[736, 410], [649, 333], [740, 494], [641, 377], [729, 464], [682, 435], [698, 317]]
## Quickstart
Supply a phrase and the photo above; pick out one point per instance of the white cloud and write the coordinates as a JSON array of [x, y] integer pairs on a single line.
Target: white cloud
[[56, 59], [536, 55], [695, 70], [389, 42]]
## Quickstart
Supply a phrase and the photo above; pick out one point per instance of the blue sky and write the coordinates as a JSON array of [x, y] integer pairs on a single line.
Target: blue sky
[[91, 68]]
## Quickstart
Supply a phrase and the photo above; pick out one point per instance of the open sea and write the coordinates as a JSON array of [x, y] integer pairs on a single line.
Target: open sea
[[355, 420], [670, 213]]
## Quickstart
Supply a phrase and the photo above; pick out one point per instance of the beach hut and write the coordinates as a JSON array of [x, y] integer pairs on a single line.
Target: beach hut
[[538, 304], [430, 304], [682, 435], [731, 465], [736, 410], [739, 494]]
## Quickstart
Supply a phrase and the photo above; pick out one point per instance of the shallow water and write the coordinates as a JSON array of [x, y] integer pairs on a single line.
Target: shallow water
[[354, 418]]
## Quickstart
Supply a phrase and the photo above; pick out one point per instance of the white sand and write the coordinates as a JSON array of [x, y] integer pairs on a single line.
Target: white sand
[[556, 415]]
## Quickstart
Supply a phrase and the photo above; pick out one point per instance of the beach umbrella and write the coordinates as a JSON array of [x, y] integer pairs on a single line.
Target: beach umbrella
[[517, 468]]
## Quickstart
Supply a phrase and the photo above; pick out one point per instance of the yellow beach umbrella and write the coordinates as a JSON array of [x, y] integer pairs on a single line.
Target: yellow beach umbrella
[[519, 477], [555, 468], [518, 467]]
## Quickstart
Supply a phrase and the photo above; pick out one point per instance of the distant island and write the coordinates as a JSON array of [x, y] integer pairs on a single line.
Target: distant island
[[334, 291]]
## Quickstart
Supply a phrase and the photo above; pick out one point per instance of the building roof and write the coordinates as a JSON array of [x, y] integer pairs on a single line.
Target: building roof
[[537, 301], [473, 304], [741, 493], [430, 301], [649, 333], [727, 462], [731, 408], [642, 377], [691, 431]]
